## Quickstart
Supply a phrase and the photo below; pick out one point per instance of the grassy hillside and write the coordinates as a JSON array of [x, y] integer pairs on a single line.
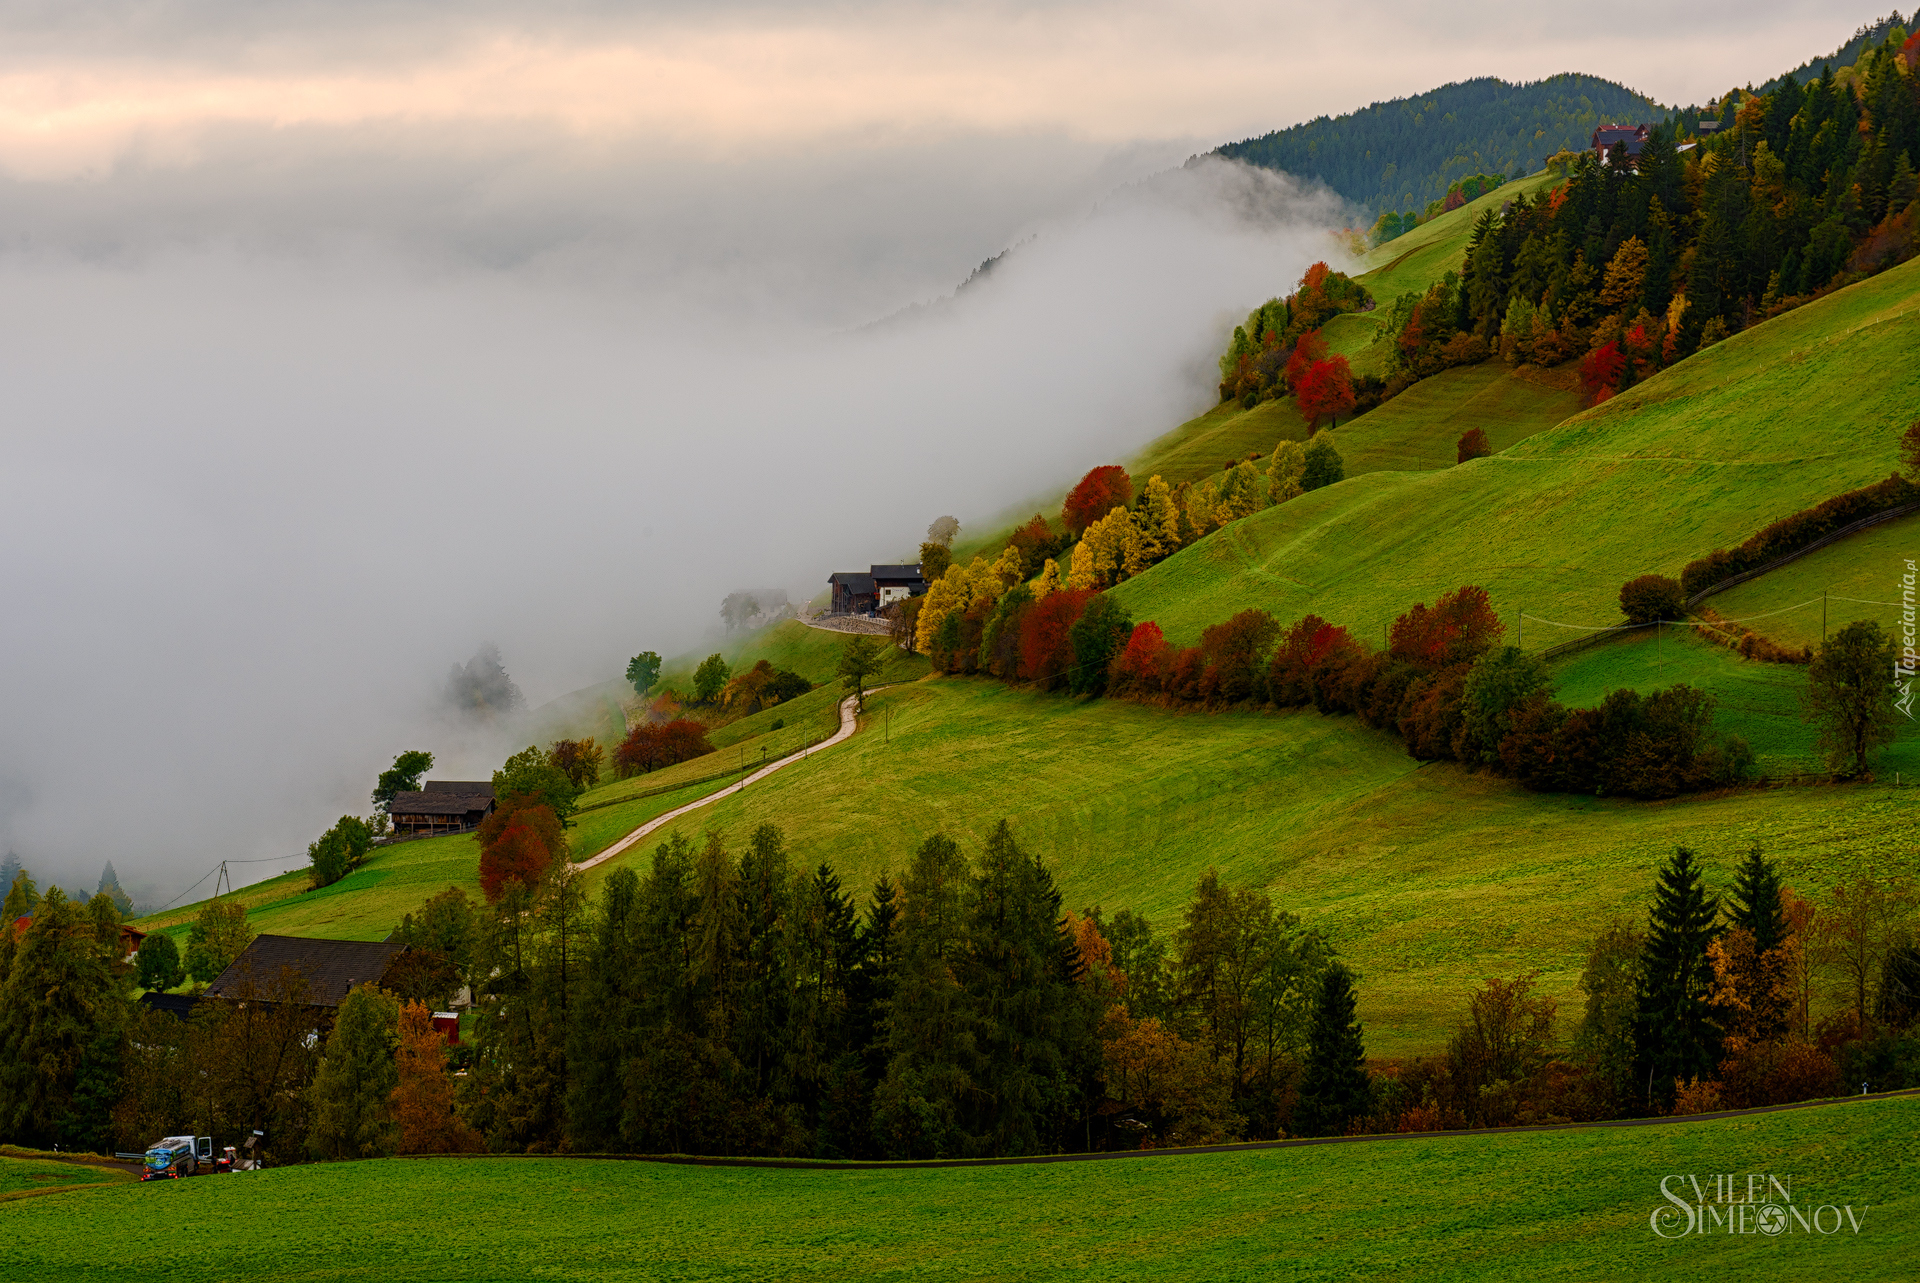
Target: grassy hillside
[[1566, 1204], [1771, 421], [1426, 876], [1412, 262], [1860, 575]]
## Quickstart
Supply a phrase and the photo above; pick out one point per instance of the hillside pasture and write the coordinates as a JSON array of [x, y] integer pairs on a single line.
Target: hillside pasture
[[1571, 1203], [1771, 421], [1426, 876], [1860, 576]]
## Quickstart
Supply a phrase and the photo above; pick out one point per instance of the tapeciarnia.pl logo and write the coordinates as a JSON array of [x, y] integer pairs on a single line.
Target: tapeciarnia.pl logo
[[1904, 663], [1721, 1204]]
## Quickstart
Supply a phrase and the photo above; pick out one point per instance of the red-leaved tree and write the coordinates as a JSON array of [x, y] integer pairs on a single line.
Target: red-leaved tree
[[1325, 392], [1473, 444], [1308, 349], [1142, 665], [517, 853], [1302, 647], [1600, 372], [652, 745], [1099, 492], [1045, 652], [1459, 627]]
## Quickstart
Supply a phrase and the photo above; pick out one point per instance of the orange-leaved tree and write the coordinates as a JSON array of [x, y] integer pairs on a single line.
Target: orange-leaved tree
[[423, 1101], [1459, 627], [1099, 492], [1325, 392]]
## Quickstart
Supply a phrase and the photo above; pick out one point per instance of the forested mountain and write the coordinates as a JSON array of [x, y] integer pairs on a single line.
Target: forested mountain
[[1404, 153], [1846, 55]]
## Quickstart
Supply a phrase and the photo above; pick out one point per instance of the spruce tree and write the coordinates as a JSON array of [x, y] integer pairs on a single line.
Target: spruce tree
[[1335, 1088], [1675, 1029], [605, 1032], [1756, 902]]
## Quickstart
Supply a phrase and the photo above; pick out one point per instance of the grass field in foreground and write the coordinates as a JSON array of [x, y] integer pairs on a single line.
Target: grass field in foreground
[[1568, 1205], [1428, 878]]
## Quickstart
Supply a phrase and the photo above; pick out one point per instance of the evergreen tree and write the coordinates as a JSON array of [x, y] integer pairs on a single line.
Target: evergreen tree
[[353, 1091], [1335, 1089], [1760, 972], [157, 964], [1013, 971], [607, 1030], [1675, 1031], [1756, 902], [60, 1002], [870, 992], [931, 1024]]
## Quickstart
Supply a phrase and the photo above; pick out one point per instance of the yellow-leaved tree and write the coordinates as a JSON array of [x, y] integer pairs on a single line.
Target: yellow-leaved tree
[[1049, 580], [1288, 461], [1161, 519]]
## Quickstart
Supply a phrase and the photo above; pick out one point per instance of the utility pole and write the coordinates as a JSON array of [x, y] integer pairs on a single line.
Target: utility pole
[[220, 879]]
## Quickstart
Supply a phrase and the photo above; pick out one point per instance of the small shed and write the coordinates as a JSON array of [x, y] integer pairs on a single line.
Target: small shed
[[448, 1023], [442, 806]]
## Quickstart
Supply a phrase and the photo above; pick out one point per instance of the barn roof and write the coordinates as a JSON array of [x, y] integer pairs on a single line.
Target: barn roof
[[852, 580], [896, 572], [330, 967], [438, 803], [469, 788]]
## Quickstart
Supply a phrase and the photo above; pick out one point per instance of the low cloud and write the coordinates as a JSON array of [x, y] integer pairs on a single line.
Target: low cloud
[[258, 499]]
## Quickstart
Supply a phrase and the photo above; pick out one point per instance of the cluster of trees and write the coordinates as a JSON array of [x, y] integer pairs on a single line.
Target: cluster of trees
[[652, 745], [729, 1002], [1637, 267], [1460, 192], [1266, 358], [1407, 152], [1708, 1005]]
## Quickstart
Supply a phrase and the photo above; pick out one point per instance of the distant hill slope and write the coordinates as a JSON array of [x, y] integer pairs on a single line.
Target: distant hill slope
[[1403, 153]]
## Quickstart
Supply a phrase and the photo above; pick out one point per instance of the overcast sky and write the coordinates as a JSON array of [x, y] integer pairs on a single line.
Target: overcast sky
[[338, 338]]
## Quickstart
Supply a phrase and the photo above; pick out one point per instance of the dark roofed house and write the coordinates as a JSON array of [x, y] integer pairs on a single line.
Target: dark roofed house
[[330, 968], [442, 806], [853, 592], [1624, 142], [896, 583]]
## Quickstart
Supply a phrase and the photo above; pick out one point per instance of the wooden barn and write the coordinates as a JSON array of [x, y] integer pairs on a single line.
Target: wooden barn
[[442, 806]]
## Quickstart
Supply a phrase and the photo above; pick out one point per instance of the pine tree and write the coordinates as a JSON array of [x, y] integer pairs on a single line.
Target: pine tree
[[353, 1092], [1761, 968], [766, 978], [1012, 973], [931, 1023], [1335, 1088], [1756, 902], [1675, 1031], [606, 1031]]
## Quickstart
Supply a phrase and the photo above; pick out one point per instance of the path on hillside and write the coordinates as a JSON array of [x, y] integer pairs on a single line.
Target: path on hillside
[[849, 722], [849, 624]]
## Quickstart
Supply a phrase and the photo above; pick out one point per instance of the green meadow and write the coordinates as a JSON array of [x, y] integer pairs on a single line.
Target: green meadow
[[1700, 456], [1567, 1204], [26, 1173], [1859, 578], [1426, 876]]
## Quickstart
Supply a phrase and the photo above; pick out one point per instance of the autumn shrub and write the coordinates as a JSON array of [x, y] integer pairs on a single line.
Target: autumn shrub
[[1473, 444], [1601, 371], [519, 847], [1777, 1073], [1433, 713], [1236, 656], [1303, 645], [1183, 673], [1652, 597], [1458, 628]]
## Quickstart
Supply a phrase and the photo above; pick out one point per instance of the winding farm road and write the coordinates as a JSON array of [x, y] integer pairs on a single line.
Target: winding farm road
[[849, 722]]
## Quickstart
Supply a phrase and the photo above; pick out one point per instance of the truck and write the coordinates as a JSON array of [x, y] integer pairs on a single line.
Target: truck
[[172, 1157]]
